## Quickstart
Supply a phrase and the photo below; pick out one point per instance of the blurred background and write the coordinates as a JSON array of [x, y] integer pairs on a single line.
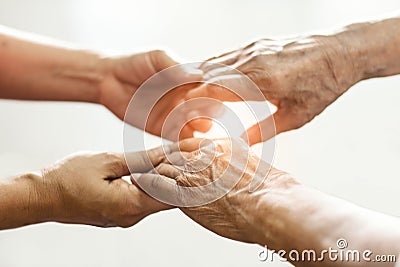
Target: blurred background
[[351, 150]]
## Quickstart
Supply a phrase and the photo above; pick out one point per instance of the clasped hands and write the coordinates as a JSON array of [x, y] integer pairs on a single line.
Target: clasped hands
[[274, 66], [89, 189], [300, 76]]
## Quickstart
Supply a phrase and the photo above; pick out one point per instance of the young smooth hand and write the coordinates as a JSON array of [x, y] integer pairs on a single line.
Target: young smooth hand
[[36, 71], [123, 76]]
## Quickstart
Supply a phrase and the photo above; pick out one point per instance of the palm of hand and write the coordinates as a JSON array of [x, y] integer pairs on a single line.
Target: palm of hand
[[151, 106]]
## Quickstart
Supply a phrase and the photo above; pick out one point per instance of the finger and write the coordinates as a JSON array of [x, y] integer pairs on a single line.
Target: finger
[[214, 91], [188, 145], [184, 146], [228, 58], [184, 73], [113, 164], [230, 88], [159, 187], [167, 170], [220, 70], [142, 161], [201, 125], [197, 120], [160, 60], [178, 158], [264, 130], [151, 204], [186, 132], [200, 112]]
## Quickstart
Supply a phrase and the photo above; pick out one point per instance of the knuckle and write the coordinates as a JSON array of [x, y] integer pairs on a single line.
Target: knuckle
[[157, 52], [262, 76], [155, 55], [161, 168], [113, 162]]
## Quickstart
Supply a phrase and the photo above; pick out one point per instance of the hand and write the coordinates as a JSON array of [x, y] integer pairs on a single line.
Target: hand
[[281, 213], [232, 215], [88, 189], [123, 76], [301, 77]]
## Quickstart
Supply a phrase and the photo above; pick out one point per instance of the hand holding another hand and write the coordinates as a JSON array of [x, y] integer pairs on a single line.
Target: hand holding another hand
[[87, 188], [301, 77], [122, 77], [231, 168]]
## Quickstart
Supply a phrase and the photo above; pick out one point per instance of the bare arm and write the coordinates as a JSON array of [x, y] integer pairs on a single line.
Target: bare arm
[[374, 47], [38, 71], [282, 213], [295, 217], [82, 189], [22, 203], [35, 71]]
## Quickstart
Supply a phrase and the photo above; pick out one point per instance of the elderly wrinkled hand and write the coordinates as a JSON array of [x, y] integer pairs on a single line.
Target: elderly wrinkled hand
[[301, 77], [227, 206], [227, 189]]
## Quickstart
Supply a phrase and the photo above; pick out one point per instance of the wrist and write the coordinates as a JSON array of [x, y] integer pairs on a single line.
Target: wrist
[[374, 47], [82, 73], [299, 217], [104, 69], [339, 60], [24, 201], [41, 201], [278, 208]]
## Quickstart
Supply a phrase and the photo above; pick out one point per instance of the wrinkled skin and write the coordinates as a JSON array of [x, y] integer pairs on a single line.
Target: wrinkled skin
[[231, 215], [301, 77], [281, 213]]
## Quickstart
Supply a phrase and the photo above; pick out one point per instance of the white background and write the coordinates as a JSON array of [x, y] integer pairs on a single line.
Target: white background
[[351, 150]]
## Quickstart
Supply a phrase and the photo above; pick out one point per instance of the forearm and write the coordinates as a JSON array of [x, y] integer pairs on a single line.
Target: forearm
[[34, 71], [300, 218], [374, 47], [22, 201]]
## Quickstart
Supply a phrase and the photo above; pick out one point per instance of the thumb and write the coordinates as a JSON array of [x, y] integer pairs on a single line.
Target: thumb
[[158, 186], [182, 73]]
